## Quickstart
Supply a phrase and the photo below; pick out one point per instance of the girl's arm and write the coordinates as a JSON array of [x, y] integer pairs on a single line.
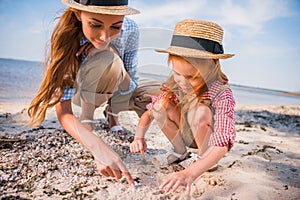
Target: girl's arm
[[139, 144], [143, 125], [211, 156], [110, 160], [187, 176]]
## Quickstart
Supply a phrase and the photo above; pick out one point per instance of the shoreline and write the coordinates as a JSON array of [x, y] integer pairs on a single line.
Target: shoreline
[[46, 163], [294, 94]]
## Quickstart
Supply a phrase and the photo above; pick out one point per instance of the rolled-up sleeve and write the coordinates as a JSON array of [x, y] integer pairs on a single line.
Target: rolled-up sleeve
[[68, 93], [130, 57], [224, 120]]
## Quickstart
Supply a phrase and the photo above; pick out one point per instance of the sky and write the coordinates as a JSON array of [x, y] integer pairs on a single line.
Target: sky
[[263, 34]]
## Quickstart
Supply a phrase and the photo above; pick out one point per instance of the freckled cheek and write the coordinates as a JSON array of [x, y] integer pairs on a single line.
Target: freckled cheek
[[89, 33], [114, 34], [195, 84], [86, 32], [178, 79]]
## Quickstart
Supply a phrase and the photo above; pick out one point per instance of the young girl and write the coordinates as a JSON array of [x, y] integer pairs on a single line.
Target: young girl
[[109, 67], [195, 107]]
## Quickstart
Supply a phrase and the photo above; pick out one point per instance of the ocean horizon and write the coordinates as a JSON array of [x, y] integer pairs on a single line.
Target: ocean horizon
[[20, 80]]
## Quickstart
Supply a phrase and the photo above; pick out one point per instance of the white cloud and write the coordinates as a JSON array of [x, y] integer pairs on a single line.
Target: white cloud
[[246, 24], [166, 14], [249, 16], [253, 14]]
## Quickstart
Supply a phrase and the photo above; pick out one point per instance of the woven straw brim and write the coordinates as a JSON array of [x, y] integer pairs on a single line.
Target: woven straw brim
[[193, 53], [200, 29], [108, 10]]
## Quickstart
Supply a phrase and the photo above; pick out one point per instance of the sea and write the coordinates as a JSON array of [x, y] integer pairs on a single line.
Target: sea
[[20, 80]]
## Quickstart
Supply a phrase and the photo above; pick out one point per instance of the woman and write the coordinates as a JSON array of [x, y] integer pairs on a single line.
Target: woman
[[108, 67], [195, 107]]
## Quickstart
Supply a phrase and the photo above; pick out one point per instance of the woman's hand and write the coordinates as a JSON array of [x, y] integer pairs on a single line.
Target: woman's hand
[[85, 49], [182, 178], [116, 170], [138, 145], [108, 161]]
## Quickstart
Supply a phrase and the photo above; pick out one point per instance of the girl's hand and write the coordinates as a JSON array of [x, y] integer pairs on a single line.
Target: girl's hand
[[138, 145], [182, 178]]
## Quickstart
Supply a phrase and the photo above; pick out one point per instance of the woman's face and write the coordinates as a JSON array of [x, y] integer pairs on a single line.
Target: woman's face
[[100, 29], [186, 75]]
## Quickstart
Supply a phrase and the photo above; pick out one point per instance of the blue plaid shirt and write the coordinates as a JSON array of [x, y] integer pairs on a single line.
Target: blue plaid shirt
[[127, 46]]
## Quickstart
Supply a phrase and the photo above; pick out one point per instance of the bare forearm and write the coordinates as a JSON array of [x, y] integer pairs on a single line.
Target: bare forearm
[[209, 158], [143, 125], [72, 126], [68, 121], [108, 161], [86, 137]]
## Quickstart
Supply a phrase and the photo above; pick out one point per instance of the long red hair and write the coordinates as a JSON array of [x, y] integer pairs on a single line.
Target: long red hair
[[61, 63]]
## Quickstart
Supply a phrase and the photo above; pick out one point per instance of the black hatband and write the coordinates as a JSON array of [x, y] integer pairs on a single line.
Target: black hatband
[[197, 43], [103, 2]]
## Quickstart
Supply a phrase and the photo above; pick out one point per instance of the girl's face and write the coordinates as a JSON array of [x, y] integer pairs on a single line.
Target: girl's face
[[186, 75], [100, 29]]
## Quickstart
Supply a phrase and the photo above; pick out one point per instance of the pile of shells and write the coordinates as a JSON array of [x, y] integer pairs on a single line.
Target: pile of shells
[[39, 158]]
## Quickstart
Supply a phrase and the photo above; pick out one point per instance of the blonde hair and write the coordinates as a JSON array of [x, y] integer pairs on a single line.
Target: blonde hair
[[61, 63], [208, 72]]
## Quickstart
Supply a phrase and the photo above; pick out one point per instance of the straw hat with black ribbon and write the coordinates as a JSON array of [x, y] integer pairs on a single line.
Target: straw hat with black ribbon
[[197, 39], [109, 7]]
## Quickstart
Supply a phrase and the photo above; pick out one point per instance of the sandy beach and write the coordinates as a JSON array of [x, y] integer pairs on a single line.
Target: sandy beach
[[46, 163]]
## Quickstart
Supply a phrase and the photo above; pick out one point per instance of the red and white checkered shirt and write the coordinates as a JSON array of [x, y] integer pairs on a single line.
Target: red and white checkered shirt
[[223, 106]]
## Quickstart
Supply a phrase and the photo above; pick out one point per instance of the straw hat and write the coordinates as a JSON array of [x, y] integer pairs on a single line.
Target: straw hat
[[197, 39], [109, 7]]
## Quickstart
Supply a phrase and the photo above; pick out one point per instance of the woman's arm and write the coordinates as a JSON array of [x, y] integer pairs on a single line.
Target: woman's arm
[[68, 121], [110, 160], [130, 54]]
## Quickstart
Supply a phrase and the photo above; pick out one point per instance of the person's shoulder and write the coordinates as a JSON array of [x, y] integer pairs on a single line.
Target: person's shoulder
[[221, 92], [129, 24]]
